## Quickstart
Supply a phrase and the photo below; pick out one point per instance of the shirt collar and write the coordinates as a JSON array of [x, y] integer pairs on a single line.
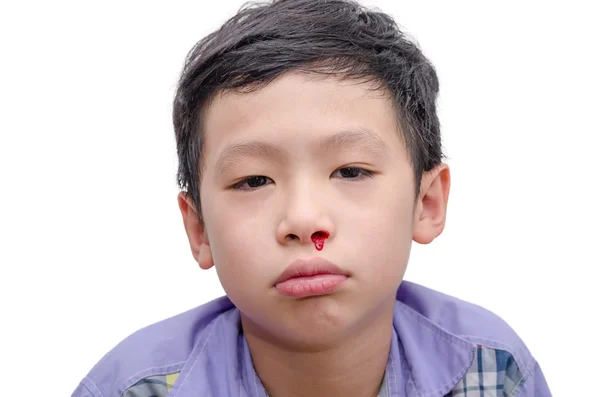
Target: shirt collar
[[437, 359]]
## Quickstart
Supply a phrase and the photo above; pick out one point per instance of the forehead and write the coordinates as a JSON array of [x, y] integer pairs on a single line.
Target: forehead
[[297, 109]]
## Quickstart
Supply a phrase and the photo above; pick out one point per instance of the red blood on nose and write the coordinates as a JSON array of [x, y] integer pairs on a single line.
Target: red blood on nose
[[319, 239]]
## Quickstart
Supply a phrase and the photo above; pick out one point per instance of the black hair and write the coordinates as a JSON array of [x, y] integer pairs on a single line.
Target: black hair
[[330, 37]]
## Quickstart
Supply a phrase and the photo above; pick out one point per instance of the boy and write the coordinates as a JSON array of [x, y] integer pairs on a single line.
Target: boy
[[310, 159]]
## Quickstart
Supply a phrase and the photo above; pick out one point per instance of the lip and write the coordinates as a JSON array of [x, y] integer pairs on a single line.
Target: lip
[[310, 277]]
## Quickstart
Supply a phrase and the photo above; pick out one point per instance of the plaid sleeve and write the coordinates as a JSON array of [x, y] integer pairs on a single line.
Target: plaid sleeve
[[494, 373], [153, 386]]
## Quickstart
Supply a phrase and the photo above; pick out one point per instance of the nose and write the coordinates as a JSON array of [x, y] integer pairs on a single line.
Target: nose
[[306, 215]]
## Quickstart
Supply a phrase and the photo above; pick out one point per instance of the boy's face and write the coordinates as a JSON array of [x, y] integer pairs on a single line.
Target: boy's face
[[325, 155]]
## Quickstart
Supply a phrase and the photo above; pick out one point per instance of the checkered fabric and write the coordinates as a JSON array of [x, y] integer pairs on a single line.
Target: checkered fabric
[[494, 373], [153, 386]]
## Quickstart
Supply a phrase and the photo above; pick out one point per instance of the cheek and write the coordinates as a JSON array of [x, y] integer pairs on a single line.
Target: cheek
[[231, 225], [238, 244], [386, 236], [384, 240]]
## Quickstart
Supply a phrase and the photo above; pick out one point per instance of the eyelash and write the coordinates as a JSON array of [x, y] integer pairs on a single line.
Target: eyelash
[[363, 173]]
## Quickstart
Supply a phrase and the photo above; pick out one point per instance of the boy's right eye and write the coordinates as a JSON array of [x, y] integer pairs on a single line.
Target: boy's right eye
[[252, 183]]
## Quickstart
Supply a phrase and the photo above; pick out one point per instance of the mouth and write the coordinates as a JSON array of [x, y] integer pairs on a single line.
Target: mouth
[[310, 277]]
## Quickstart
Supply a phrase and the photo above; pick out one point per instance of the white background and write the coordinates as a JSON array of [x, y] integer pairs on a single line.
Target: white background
[[92, 246]]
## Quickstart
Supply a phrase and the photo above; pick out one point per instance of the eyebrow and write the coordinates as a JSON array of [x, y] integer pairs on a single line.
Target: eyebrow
[[363, 139]]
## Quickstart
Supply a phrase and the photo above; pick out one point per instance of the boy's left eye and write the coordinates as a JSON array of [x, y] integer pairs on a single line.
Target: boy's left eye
[[353, 173]]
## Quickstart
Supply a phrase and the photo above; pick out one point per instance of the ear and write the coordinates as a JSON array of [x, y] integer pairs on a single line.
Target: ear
[[196, 231], [430, 208]]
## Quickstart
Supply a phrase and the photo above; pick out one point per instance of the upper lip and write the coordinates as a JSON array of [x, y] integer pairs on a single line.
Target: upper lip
[[309, 267]]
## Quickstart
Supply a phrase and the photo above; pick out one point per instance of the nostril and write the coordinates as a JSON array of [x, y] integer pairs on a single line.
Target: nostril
[[291, 237], [318, 238], [320, 235]]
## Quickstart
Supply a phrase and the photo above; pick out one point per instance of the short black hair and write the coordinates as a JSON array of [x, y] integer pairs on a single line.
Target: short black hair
[[331, 37]]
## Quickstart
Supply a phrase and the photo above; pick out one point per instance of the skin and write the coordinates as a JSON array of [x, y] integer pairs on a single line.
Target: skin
[[335, 344]]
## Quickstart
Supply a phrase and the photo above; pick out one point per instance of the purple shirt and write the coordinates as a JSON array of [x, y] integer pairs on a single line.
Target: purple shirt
[[441, 347]]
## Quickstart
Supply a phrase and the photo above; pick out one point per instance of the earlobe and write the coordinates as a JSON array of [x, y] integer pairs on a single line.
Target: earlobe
[[430, 216], [195, 231], [205, 259]]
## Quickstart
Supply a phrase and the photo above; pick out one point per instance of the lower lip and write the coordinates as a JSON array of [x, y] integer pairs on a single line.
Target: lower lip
[[302, 287]]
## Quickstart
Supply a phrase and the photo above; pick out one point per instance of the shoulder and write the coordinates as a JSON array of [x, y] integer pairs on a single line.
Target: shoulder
[[460, 318], [469, 323], [483, 351], [156, 352]]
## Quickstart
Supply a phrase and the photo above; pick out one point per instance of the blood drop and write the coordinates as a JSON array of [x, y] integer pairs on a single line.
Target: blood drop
[[319, 239]]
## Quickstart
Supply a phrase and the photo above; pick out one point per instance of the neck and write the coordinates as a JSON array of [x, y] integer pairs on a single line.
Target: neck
[[354, 366]]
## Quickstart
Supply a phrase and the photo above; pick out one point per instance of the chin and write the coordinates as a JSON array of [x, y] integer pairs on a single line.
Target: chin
[[307, 323], [314, 338], [319, 325]]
